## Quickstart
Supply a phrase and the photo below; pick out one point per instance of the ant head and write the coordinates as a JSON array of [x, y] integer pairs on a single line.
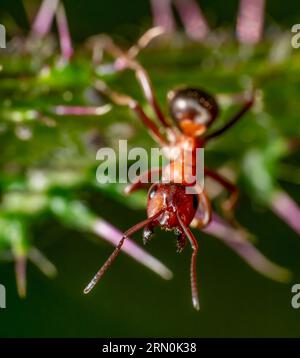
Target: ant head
[[172, 200], [192, 109]]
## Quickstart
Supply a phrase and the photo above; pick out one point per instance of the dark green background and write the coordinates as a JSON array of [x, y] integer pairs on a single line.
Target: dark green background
[[131, 301]]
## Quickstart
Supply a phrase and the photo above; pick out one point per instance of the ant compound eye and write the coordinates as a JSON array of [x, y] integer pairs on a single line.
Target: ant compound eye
[[153, 191], [194, 105]]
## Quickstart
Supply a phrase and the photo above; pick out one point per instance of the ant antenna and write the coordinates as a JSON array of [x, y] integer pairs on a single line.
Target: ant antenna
[[117, 250], [194, 244]]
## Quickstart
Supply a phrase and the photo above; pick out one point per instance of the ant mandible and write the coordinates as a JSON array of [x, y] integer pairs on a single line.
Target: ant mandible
[[193, 111]]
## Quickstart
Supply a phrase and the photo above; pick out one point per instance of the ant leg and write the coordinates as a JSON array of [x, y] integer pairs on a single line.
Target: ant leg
[[194, 244], [146, 85], [204, 208], [144, 40], [230, 203], [247, 105], [117, 250], [143, 180], [124, 100], [142, 75], [126, 60], [104, 43]]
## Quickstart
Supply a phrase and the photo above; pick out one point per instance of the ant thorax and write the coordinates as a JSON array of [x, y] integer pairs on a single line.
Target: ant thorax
[[182, 161], [180, 146]]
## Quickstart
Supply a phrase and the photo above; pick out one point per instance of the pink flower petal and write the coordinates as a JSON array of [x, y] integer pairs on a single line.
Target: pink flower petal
[[236, 240], [193, 19], [43, 21], [81, 110], [287, 209], [162, 15], [250, 21], [64, 33]]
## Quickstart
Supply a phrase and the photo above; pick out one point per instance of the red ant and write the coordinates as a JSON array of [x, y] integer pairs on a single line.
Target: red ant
[[169, 205]]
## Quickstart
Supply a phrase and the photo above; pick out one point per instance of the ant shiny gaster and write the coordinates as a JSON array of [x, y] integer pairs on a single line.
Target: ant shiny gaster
[[169, 206]]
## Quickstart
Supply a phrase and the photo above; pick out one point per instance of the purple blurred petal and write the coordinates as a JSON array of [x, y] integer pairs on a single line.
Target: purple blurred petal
[[162, 15], [193, 19], [42, 23], [112, 235], [287, 209], [250, 21], [81, 110], [236, 240], [64, 33]]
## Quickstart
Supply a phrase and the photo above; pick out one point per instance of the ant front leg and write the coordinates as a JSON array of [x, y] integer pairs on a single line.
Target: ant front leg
[[245, 108], [117, 250], [126, 60], [146, 85], [194, 244], [125, 100], [229, 205]]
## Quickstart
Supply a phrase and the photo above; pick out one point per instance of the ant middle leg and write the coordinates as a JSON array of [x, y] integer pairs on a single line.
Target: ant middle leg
[[229, 205], [194, 244]]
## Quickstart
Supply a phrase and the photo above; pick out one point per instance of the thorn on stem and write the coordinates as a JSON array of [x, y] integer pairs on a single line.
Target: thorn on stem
[[20, 270]]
